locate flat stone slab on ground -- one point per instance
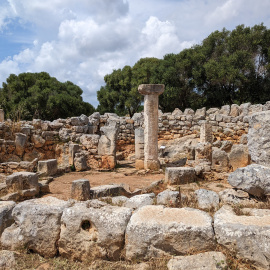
(248, 234)
(204, 261)
(138, 201)
(179, 175)
(155, 230)
(108, 190)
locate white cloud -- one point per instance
(83, 41)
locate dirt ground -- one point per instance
(125, 174)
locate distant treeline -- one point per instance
(38, 95)
(228, 67)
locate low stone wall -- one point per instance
(27, 140)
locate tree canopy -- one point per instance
(38, 95)
(227, 67)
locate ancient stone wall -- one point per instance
(27, 140)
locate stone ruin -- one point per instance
(231, 144)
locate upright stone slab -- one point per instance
(259, 138)
(47, 167)
(151, 93)
(80, 190)
(2, 115)
(73, 149)
(206, 133)
(139, 148)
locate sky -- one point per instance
(83, 40)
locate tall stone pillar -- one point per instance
(151, 93)
(206, 133)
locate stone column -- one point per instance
(2, 115)
(151, 93)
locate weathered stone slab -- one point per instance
(179, 175)
(259, 138)
(239, 156)
(80, 190)
(47, 167)
(207, 199)
(209, 260)
(254, 179)
(138, 201)
(248, 235)
(168, 197)
(93, 232)
(155, 230)
(36, 227)
(108, 190)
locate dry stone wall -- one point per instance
(27, 140)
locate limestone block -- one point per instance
(248, 235)
(239, 156)
(47, 167)
(220, 161)
(201, 112)
(212, 111)
(189, 111)
(179, 175)
(90, 232)
(139, 143)
(108, 190)
(64, 134)
(73, 149)
(139, 201)
(244, 108)
(235, 110)
(80, 190)
(20, 142)
(225, 110)
(37, 140)
(207, 199)
(234, 196)
(108, 162)
(255, 108)
(203, 153)
(5, 214)
(22, 181)
(208, 260)
(253, 179)
(89, 141)
(206, 133)
(107, 142)
(259, 138)
(156, 230)
(36, 227)
(80, 162)
(168, 198)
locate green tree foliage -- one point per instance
(37, 95)
(227, 67)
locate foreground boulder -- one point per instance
(254, 179)
(93, 231)
(247, 234)
(208, 260)
(36, 227)
(155, 230)
(5, 214)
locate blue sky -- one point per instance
(82, 41)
